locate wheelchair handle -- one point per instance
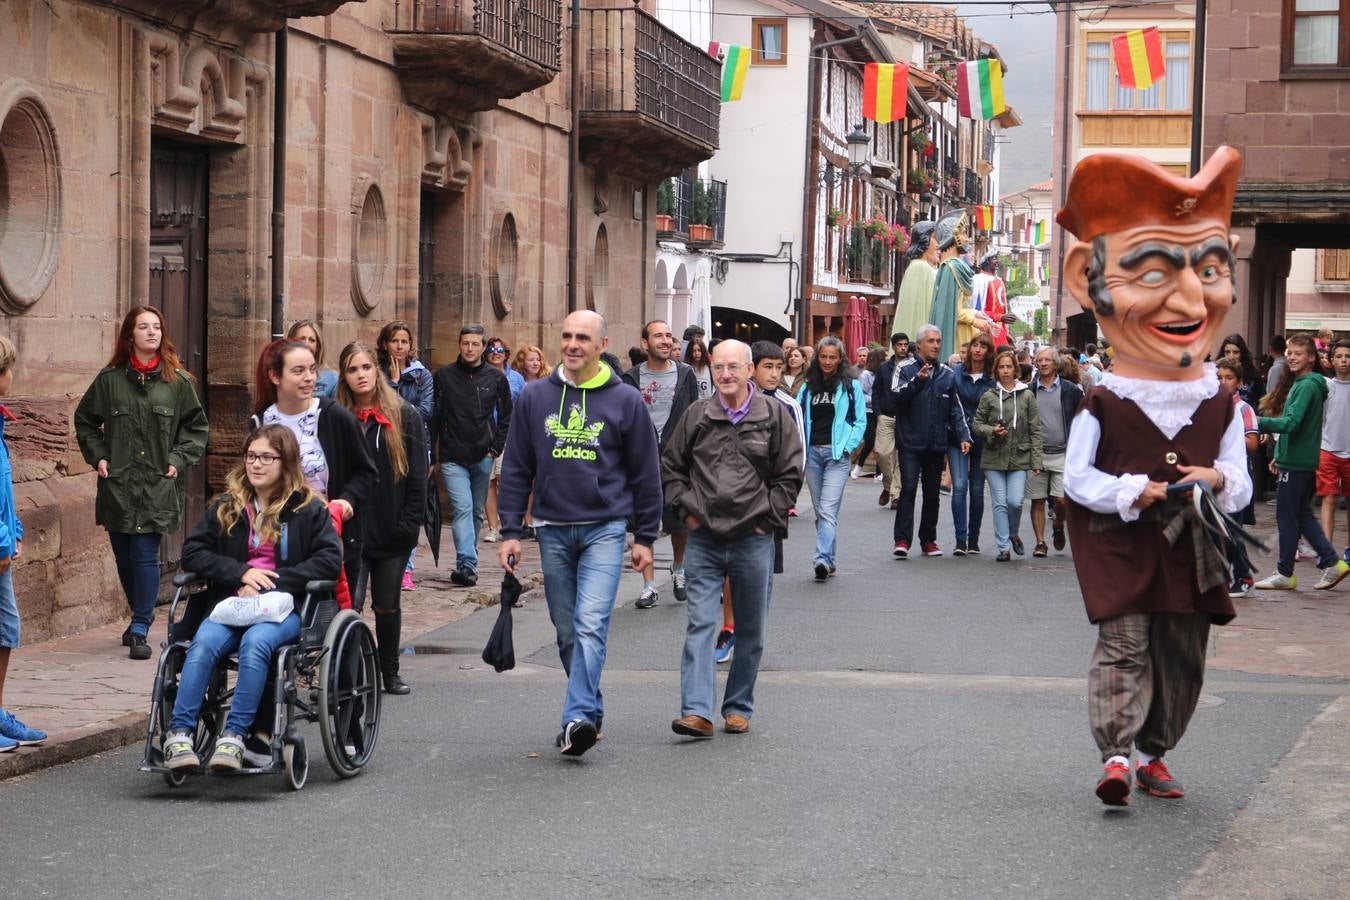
(314, 587)
(183, 579)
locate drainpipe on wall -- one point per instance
(279, 185)
(1198, 88)
(574, 161)
(1062, 186)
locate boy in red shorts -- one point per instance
(1333, 467)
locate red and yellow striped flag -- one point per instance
(884, 89)
(984, 218)
(1139, 58)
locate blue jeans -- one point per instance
(825, 479)
(1007, 489)
(137, 558)
(212, 643)
(1294, 518)
(967, 491)
(918, 466)
(9, 612)
(582, 564)
(467, 487)
(748, 562)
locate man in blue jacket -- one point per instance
(928, 417)
(582, 443)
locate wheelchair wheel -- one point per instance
(296, 758)
(175, 779)
(349, 694)
(215, 704)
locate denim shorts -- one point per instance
(9, 611)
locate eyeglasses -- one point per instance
(719, 368)
(501, 350)
(265, 458)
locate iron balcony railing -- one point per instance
(698, 201)
(973, 192)
(530, 28)
(636, 64)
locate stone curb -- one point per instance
(125, 729)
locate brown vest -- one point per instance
(1130, 567)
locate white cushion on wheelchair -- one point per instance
(241, 612)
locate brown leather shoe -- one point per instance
(692, 726)
(1058, 538)
(1041, 549)
(734, 724)
(895, 504)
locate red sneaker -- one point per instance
(901, 550)
(1159, 782)
(1114, 788)
(930, 548)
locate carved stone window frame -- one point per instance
(370, 246)
(504, 265)
(23, 282)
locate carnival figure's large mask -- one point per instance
(1153, 259)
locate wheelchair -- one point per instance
(331, 675)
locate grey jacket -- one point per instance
(1021, 449)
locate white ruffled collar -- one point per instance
(1169, 404)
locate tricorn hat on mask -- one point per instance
(1111, 192)
(951, 228)
(919, 238)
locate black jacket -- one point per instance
(351, 470)
(309, 549)
(686, 392)
(397, 507)
(930, 417)
(883, 402)
(463, 426)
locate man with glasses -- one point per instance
(731, 469)
(583, 446)
(668, 387)
(473, 413)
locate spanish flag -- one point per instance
(984, 218)
(884, 88)
(1139, 58)
(734, 67)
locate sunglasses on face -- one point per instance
(501, 350)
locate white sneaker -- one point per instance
(1277, 582)
(856, 473)
(229, 754)
(491, 536)
(1305, 553)
(1332, 575)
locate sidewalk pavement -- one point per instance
(89, 696)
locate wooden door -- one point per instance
(426, 275)
(178, 229)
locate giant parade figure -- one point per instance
(1153, 260)
(952, 311)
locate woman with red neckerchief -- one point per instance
(392, 430)
(140, 425)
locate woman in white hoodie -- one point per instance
(1009, 423)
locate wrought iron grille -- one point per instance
(639, 65)
(531, 28)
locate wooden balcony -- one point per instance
(457, 56)
(234, 18)
(651, 101)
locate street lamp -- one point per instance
(859, 141)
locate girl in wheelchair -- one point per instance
(268, 532)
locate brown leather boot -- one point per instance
(692, 726)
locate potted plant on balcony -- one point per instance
(700, 224)
(854, 247)
(833, 217)
(665, 205)
(919, 181)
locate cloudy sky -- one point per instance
(1027, 43)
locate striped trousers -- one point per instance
(1145, 680)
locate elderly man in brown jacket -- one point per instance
(731, 470)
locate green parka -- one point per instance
(1021, 449)
(141, 426)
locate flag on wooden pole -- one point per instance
(884, 89)
(734, 67)
(984, 218)
(1139, 58)
(979, 89)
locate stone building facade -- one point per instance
(1277, 85)
(428, 152)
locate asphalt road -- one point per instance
(921, 732)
